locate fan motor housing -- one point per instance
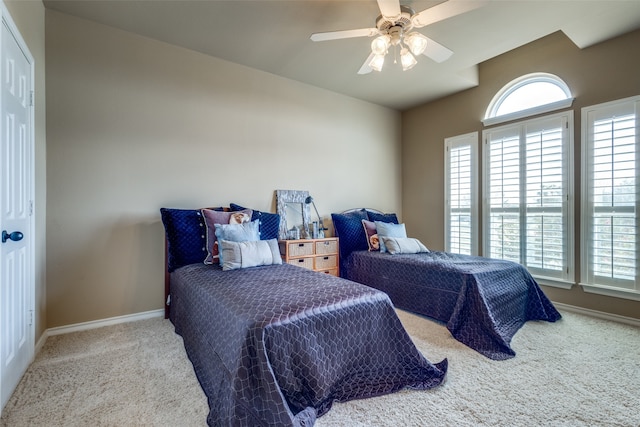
(404, 21)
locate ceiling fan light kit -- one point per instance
(415, 42)
(393, 28)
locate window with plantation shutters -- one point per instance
(610, 246)
(528, 196)
(461, 207)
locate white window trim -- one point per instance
(470, 139)
(601, 289)
(568, 277)
(490, 117)
(547, 108)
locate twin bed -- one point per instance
(276, 344)
(482, 301)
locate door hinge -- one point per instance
(31, 99)
(30, 317)
(30, 207)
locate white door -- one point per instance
(16, 249)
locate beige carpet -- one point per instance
(577, 372)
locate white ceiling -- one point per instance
(273, 36)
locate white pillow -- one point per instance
(236, 255)
(389, 229)
(403, 245)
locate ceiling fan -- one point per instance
(393, 28)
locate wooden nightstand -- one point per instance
(315, 254)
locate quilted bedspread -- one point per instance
(482, 301)
(277, 345)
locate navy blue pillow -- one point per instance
(349, 230)
(186, 237)
(269, 222)
(383, 217)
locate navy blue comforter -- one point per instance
(277, 345)
(482, 301)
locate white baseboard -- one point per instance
(160, 313)
(598, 314)
(84, 326)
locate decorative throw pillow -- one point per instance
(372, 235)
(388, 229)
(348, 228)
(403, 245)
(236, 255)
(186, 237)
(211, 218)
(246, 231)
(383, 217)
(269, 222)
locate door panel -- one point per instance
(16, 287)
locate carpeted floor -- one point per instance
(577, 372)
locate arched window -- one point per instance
(527, 96)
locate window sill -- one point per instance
(612, 292)
(553, 282)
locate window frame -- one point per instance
(471, 140)
(491, 118)
(601, 111)
(565, 279)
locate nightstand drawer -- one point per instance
(331, 271)
(325, 262)
(302, 262)
(300, 248)
(327, 247)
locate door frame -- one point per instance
(7, 20)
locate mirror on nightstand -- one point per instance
(294, 214)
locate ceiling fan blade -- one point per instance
(444, 11)
(436, 51)
(390, 9)
(346, 34)
(365, 69)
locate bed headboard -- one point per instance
(353, 233)
(359, 209)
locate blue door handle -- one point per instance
(15, 236)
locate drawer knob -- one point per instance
(326, 257)
(300, 245)
(300, 260)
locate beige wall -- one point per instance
(601, 73)
(29, 19)
(135, 124)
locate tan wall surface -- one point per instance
(134, 124)
(600, 73)
(29, 19)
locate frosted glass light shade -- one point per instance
(417, 43)
(377, 62)
(379, 45)
(407, 59)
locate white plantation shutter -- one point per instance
(611, 151)
(545, 194)
(461, 208)
(528, 193)
(504, 194)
